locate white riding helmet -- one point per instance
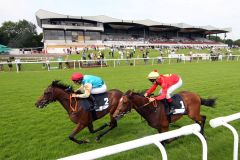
(153, 75)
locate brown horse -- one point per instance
(154, 112)
(61, 93)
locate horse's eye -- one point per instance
(47, 93)
(125, 100)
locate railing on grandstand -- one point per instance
(78, 64)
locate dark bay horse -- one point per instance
(154, 112)
(61, 93)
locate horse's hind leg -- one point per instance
(202, 123)
(76, 131)
(112, 125)
(91, 130)
(200, 119)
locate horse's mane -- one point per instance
(58, 84)
(139, 93)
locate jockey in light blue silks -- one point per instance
(89, 85)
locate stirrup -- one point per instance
(171, 112)
(95, 107)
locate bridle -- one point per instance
(51, 98)
(74, 109)
(128, 109)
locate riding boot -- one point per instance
(171, 107)
(92, 98)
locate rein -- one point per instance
(74, 109)
(154, 104)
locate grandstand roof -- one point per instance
(43, 14)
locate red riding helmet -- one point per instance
(77, 76)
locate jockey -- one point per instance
(168, 82)
(89, 85)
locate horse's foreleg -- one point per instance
(112, 125)
(91, 130)
(76, 131)
(165, 129)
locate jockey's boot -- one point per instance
(171, 107)
(93, 101)
(171, 111)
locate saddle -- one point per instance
(179, 106)
(101, 99)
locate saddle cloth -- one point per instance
(101, 99)
(179, 107)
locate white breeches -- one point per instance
(172, 88)
(99, 90)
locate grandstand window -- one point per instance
(54, 34)
(89, 24)
(92, 35)
(69, 35)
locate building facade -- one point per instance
(63, 31)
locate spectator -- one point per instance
(89, 56)
(112, 52)
(10, 66)
(60, 59)
(84, 55)
(66, 62)
(1, 67)
(159, 59)
(47, 63)
(18, 63)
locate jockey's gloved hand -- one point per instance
(78, 92)
(145, 95)
(148, 95)
(68, 89)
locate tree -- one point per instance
(237, 42)
(229, 42)
(7, 31)
(21, 34)
(215, 38)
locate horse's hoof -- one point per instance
(86, 141)
(97, 139)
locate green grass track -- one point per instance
(27, 132)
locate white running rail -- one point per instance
(223, 121)
(153, 139)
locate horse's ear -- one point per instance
(128, 92)
(55, 82)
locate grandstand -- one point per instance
(62, 32)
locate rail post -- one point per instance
(223, 121)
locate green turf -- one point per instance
(31, 133)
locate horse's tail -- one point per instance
(210, 102)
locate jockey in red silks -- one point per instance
(168, 82)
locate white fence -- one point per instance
(154, 139)
(223, 121)
(157, 138)
(49, 65)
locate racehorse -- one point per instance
(83, 118)
(155, 114)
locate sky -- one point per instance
(218, 13)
